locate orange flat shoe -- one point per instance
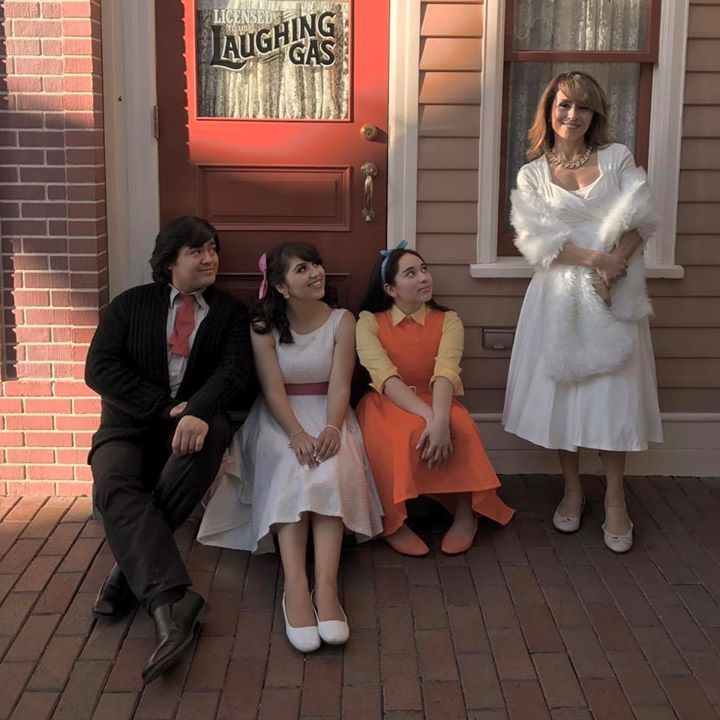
(406, 542)
(453, 544)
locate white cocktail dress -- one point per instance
(617, 410)
(265, 486)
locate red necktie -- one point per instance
(184, 326)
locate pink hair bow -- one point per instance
(262, 266)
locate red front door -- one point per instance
(260, 107)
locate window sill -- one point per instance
(512, 267)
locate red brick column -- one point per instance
(54, 241)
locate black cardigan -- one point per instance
(127, 363)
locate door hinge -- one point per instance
(156, 122)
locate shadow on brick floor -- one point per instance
(528, 624)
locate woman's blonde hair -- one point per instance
(580, 88)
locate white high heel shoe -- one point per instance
(333, 632)
(305, 639)
(568, 523)
(619, 543)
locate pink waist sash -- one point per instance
(307, 388)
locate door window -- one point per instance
(273, 59)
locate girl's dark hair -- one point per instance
(377, 300)
(271, 312)
(188, 230)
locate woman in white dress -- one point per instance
(299, 464)
(582, 372)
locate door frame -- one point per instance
(131, 148)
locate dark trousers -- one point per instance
(144, 493)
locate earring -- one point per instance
(286, 294)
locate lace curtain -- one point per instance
(270, 86)
(580, 24)
(569, 25)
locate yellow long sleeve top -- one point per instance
(375, 359)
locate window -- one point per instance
(634, 48)
(613, 40)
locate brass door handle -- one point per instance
(369, 170)
(369, 132)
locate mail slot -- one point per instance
(498, 338)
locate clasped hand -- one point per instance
(609, 269)
(311, 451)
(190, 432)
(435, 442)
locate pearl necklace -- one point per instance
(570, 164)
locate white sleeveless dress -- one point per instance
(613, 411)
(265, 486)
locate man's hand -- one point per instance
(189, 435)
(179, 409)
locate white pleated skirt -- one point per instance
(264, 486)
(617, 411)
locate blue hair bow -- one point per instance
(386, 256)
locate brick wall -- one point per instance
(54, 243)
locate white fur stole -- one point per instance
(583, 337)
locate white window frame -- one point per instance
(668, 87)
(403, 97)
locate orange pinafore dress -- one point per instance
(390, 433)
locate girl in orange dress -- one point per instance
(419, 439)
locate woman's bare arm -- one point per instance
(628, 245)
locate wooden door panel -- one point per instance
(245, 285)
(265, 181)
(278, 198)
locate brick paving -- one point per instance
(528, 624)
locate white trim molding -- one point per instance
(690, 448)
(491, 102)
(131, 152)
(664, 151)
(404, 67)
(666, 113)
(517, 267)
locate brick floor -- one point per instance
(528, 624)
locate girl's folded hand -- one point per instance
(304, 445)
(435, 443)
(328, 443)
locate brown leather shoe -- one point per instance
(176, 625)
(115, 598)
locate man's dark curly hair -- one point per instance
(188, 230)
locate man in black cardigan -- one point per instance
(168, 359)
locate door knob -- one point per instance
(369, 170)
(369, 132)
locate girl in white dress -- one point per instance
(299, 464)
(582, 372)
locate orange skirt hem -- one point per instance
(485, 504)
(390, 435)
